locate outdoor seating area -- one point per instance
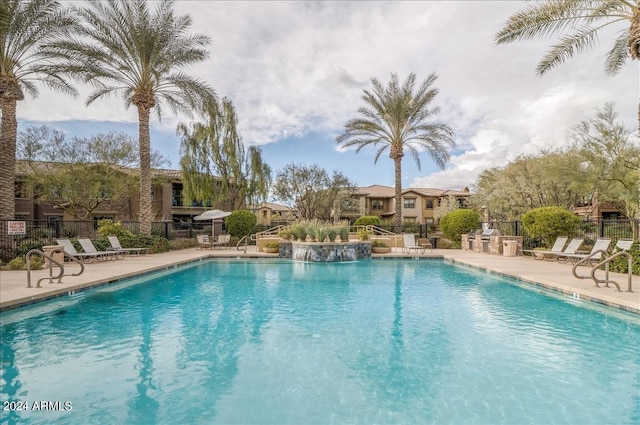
(207, 242)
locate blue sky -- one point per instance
(296, 70)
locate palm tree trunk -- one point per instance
(397, 216)
(8, 158)
(144, 140)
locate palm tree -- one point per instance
(25, 27)
(398, 118)
(578, 23)
(126, 49)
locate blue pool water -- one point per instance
(235, 342)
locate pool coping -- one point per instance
(568, 286)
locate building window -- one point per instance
(429, 204)
(377, 204)
(409, 202)
(21, 190)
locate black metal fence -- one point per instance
(16, 240)
(17, 237)
(590, 230)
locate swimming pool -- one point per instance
(383, 341)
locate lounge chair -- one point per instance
(601, 245)
(85, 257)
(222, 240)
(89, 248)
(116, 246)
(556, 249)
(410, 243)
(204, 242)
(622, 245)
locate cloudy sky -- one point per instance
(296, 71)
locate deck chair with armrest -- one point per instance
(88, 247)
(222, 240)
(85, 257)
(602, 244)
(116, 246)
(204, 242)
(556, 249)
(410, 243)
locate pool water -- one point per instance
(281, 342)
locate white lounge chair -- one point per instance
(622, 245)
(410, 243)
(601, 245)
(89, 248)
(116, 246)
(85, 257)
(222, 240)
(556, 249)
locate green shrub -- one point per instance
(378, 244)
(17, 263)
(363, 234)
(241, 223)
(155, 243)
(621, 264)
(299, 231)
(272, 245)
(367, 220)
(457, 223)
(547, 223)
(184, 243)
(20, 263)
(27, 245)
(107, 227)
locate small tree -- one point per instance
(446, 205)
(458, 222)
(547, 223)
(312, 192)
(80, 175)
(240, 223)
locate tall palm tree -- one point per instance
(578, 22)
(399, 118)
(125, 48)
(25, 27)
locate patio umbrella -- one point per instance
(212, 215)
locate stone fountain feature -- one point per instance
(335, 245)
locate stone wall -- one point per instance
(494, 246)
(326, 251)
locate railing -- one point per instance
(607, 259)
(51, 261)
(244, 239)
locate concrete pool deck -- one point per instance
(548, 274)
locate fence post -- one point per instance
(58, 228)
(600, 228)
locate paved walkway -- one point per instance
(549, 274)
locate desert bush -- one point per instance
(547, 223)
(107, 227)
(185, 243)
(27, 245)
(457, 223)
(621, 264)
(17, 263)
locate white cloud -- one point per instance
(295, 68)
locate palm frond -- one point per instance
(617, 56)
